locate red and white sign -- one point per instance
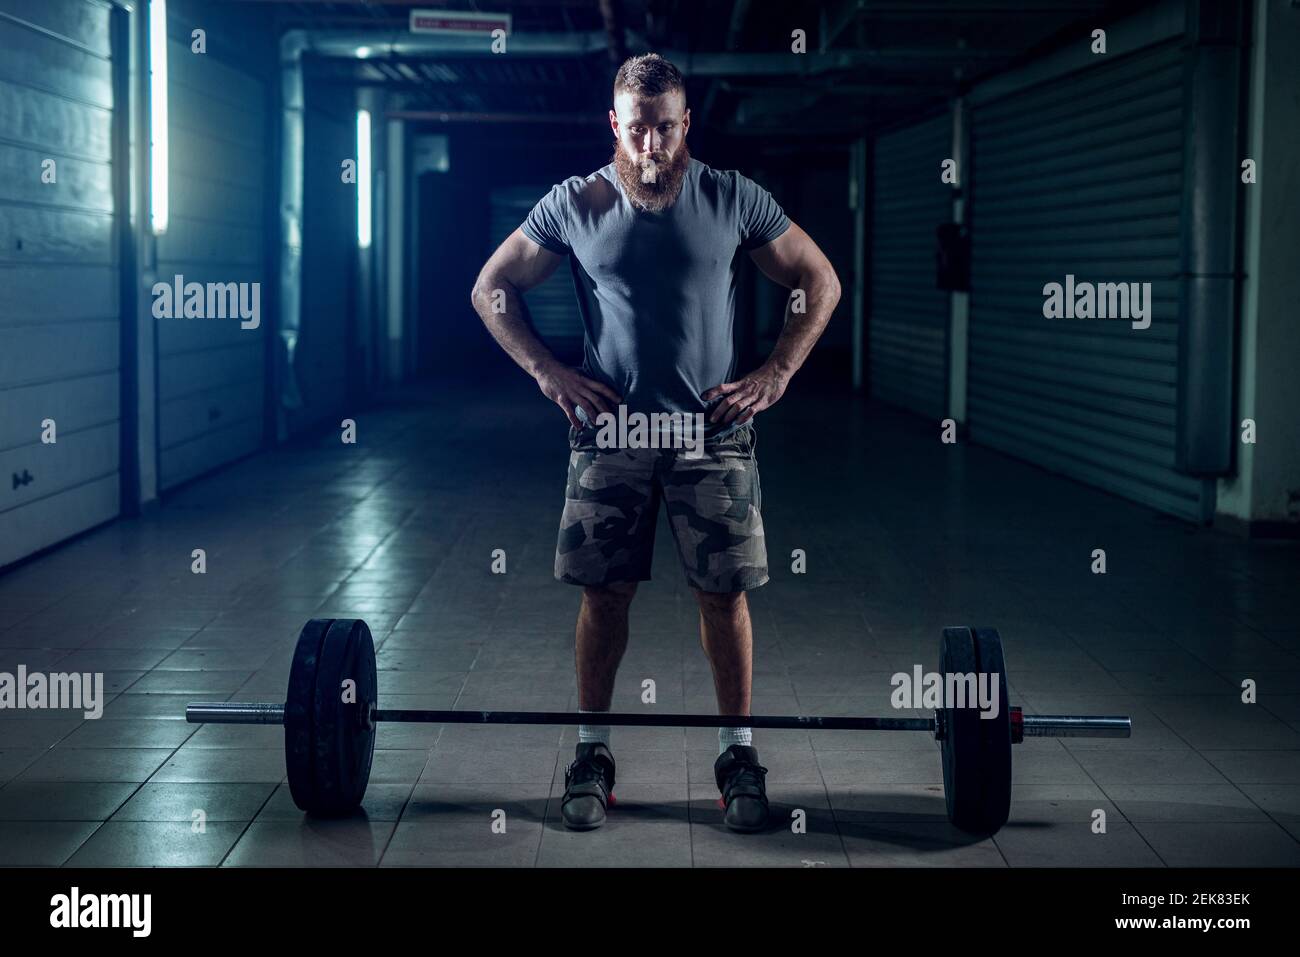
(464, 23)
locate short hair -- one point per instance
(649, 75)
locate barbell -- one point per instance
(331, 713)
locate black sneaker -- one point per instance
(588, 787)
(740, 779)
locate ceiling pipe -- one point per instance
(344, 43)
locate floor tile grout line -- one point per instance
(830, 806)
(141, 785)
(248, 825)
(1102, 788)
(406, 803)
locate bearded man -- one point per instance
(653, 237)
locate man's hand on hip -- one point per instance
(747, 396)
(568, 387)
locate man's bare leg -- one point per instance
(728, 639)
(599, 646)
(601, 641)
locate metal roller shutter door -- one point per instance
(211, 372)
(907, 333)
(553, 305)
(1082, 176)
(60, 322)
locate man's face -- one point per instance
(651, 155)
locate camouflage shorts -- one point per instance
(611, 507)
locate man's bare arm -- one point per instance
(518, 265)
(793, 260)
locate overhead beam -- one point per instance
(462, 116)
(611, 14)
(344, 43)
(837, 20)
(868, 88)
(735, 29)
(658, 14)
(812, 64)
(415, 3)
(977, 8)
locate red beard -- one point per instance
(657, 196)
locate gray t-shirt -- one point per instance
(656, 291)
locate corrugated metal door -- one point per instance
(1082, 176)
(60, 323)
(553, 305)
(211, 372)
(907, 330)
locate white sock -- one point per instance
(729, 736)
(593, 733)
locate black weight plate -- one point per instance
(976, 750)
(345, 745)
(995, 742)
(299, 712)
(956, 654)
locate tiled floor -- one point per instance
(903, 535)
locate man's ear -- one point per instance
(613, 122)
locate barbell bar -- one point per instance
(1034, 725)
(331, 713)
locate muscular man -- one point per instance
(653, 236)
